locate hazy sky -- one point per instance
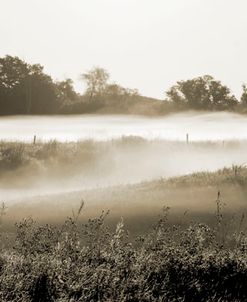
(144, 44)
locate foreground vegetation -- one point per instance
(89, 262)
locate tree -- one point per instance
(114, 90)
(66, 92)
(13, 84)
(244, 95)
(202, 93)
(117, 90)
(25, 88)
(96, 80)
(43, 91)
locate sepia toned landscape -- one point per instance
(123, 139)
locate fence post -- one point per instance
(187, 138)
(34, 139)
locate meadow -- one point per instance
(176, 259)
(162, 238)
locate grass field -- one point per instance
(54, 166)
(166, 239)
(174, 259)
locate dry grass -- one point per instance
(88, 262)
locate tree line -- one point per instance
(27, 89)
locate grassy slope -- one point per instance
(84, 260)
(89, 262)
(195, 193)
(139, 204)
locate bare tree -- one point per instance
(96, 80)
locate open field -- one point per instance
(53, 167)
(201, 126)
(193, 251)
(166, 233)
(130, 176)
(140, 203)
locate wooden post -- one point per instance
(34, 139)
(187, 138)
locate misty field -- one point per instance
(28, 169)
(187, 239)
(126, 219)
(174, 257)
(123, 139)
(200, 125)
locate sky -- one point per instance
(144, 44)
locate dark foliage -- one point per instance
(202, 93)
(26, 89)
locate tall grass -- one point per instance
(88, 262)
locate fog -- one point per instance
(93, 155)
(199, 126)
(118, 162)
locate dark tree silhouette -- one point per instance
(244, 95)
(202, 93)
(25, 88)
(66, 92)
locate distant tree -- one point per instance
(96, 80)
(132, 92)
(114, 90)
(43, 91)
(202, 93)
(25, 88)
(66, 92)
(243, 99)
(13, 85)
(117, 90)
